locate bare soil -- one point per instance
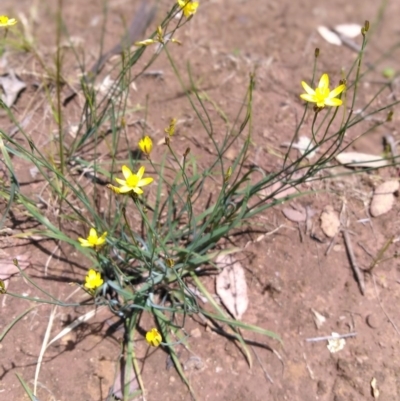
(288, 272)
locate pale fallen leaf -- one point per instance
(34, 171)
(303, 145)
(8, 268)
(231, 285)
(329, 36)
(107, 86)
(356, 159)
(383, 198)
(81, 319)
(349, 30)
(319, 319)
(330, 222)
(281, 189)
(298, 213)
(297, 216)
(374, 387)
(119, 382)
(12, 86)
(336, 345)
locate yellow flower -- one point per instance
(93, 280)
(153, 337)
(188, 7)
(146, 145)
(170, 130)
(322, 95)
(146, 42)
(132, 182)
(5, 21)
(93, 240)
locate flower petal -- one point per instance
(333, 102)
(145, 181)
(137, 190)
(140, 173)
(120, 182)
(83, 242)
(337, 91)
(308, 98)
(308, 89)
(92, 233)
(124, 189)
(86, 244)
(126, 171)
(114, 189)
(324, 81)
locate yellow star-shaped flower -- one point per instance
(93, 240)
(5, 21)
(132, 183)
(146, 145)
(93, 280)
(188, 7)
(153, 337)
(322, 96)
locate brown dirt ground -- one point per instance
(287, 274)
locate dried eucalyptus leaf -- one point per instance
(119, 383)
(383, 198)
(319, 319)
(8, 269)
(356, 159)
(329, 36)
(297, 216)
(231, 285)
(12, 86)
(349, 30)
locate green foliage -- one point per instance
(152, 266)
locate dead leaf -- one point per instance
(8, 268)
(296, 215)
(383, 198)
(329, 36)
(330, 222)
(319, 319)
(285, 190)
(356, 159)
(119, 382)
(12, 86)
(231, 285)
(349, 30)
(303, 145)
(374, 387)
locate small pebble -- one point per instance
(372, 321)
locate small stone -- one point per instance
(330, 222)
(195, 333)
(218, 369)
(172, 379)
(383, 198)
(372, 321)
(338, 248)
